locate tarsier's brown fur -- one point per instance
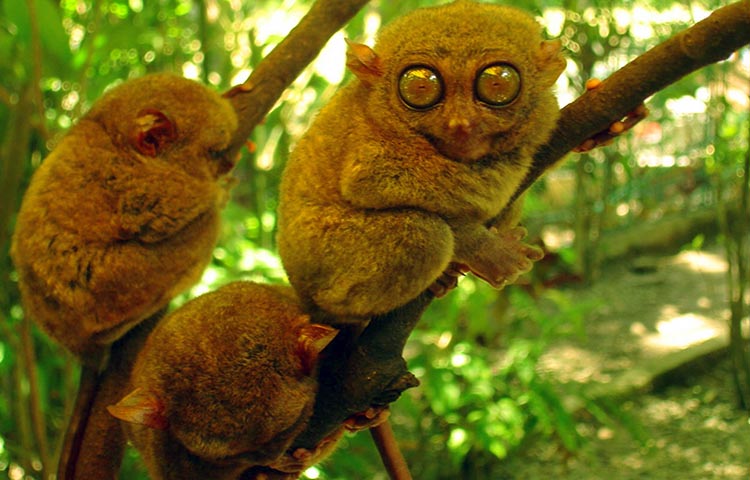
(378, 199)
(122, 216)
(224, 383)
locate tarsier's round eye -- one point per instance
(498, 85)
(420, 87)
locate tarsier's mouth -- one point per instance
(470, 149)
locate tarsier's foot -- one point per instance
(448, 279)
(372, 417)
(302, 458)
(507, 259)
(616, 129)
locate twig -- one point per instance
(5, 97)
(92, 32)
(35, 401)
(391, 455)
(36, 48)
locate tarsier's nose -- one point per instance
(460, 126)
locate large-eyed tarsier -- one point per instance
(225, 383)
(124, 213)
(401, 173)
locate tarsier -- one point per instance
(124, 213)
(224, 383)
(400, 174)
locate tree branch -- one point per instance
(708, 41)
(254, 99)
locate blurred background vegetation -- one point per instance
(476, 351)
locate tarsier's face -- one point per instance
(473, 79)
(461, 107)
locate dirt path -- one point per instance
(652, 315)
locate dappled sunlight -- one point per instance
(682, 331)
(706, 262)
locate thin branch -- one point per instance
(255, 98)
(36, 50)
(35, 401)
(391, 455)
(92, 33)
(5, 97)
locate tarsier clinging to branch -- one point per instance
(225, 383)
(124, 213)
(401, 172)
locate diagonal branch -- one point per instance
(254, 99)
(708, 41)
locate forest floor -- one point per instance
(654, 344)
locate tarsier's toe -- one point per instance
(513, 259)
(448, 280)
(371, 417)
(617, 128)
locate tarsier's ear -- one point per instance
(363, 62)
(313, 338)
(550, 61)
(142, 408)
(153, 132)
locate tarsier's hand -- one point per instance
(616, 129)
(506, 258)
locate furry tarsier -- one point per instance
(124, 212)
(224, 383)
(403, 170)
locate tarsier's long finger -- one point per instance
(617, 128)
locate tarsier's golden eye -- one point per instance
(498, 85)
(420, 87)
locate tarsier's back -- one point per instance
(123, 214)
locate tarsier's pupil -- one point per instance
(420, 87)
(498, 85)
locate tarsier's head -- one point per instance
(170, 118)
(473, 79)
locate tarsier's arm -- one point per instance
(374, 179)
(157, 204)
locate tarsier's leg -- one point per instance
(617, 128)
(365, 262)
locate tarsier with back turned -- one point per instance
(402, 172)
(124, 213)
